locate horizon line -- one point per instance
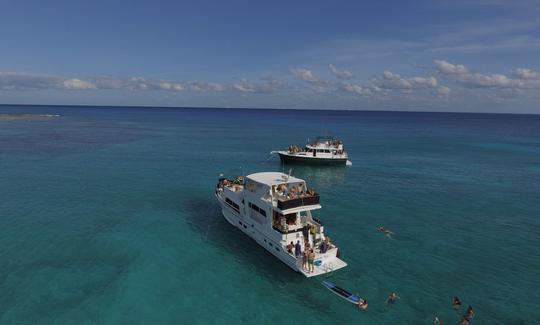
(269, 109)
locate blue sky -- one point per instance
(445, 55)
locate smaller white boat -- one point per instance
(325, 150)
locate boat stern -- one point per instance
(329, 265)
(325, 263)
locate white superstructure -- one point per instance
(275, 209)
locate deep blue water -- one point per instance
(107, 215)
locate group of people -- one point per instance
(294, 192)
(392, 298)
(465, 319)
(294, 149)
(308, 254)
(469, 312)
(236, 183)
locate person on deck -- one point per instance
(323, 247)
(305, 261)
(290, 248)
(297, 249)
(311, 259)
(327, 242)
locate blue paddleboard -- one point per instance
(341, 292)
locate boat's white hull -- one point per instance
(329, 261)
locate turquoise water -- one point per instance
(107, 215)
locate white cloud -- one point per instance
(266, 85)
(205, 86)
(78, 84)
(304, 74)
(524, 73)
(357, 89)
(443, 91)
(165, 86)
(391, 80)
(171, 86)
(244, 86)
(343, 74)
(27, 81)
(446, 67)
(527, 78)
(137, 79)
(178, 87)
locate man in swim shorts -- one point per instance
(311, 258)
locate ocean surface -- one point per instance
(107, 215)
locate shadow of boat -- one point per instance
(204, 216)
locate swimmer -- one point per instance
(437, 321)
(463, 321)
(469, 313)
(386, 232)
(392, 297)
(362, 304)
(456, 303)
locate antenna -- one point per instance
(290, 171)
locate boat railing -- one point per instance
(285, 204)
(286, 230)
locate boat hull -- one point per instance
(310, 160)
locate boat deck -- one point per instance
(331, 264)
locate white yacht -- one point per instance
(275, 209)
(323, 151)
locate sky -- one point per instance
(431, 55)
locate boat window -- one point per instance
(256, 208)
(231, 203)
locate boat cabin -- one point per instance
(277, 202)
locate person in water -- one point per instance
(392, 297)
(456, 303)
(466, 318)
(362, 304)
(469, 313)
(386, 232)
(437, 321)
